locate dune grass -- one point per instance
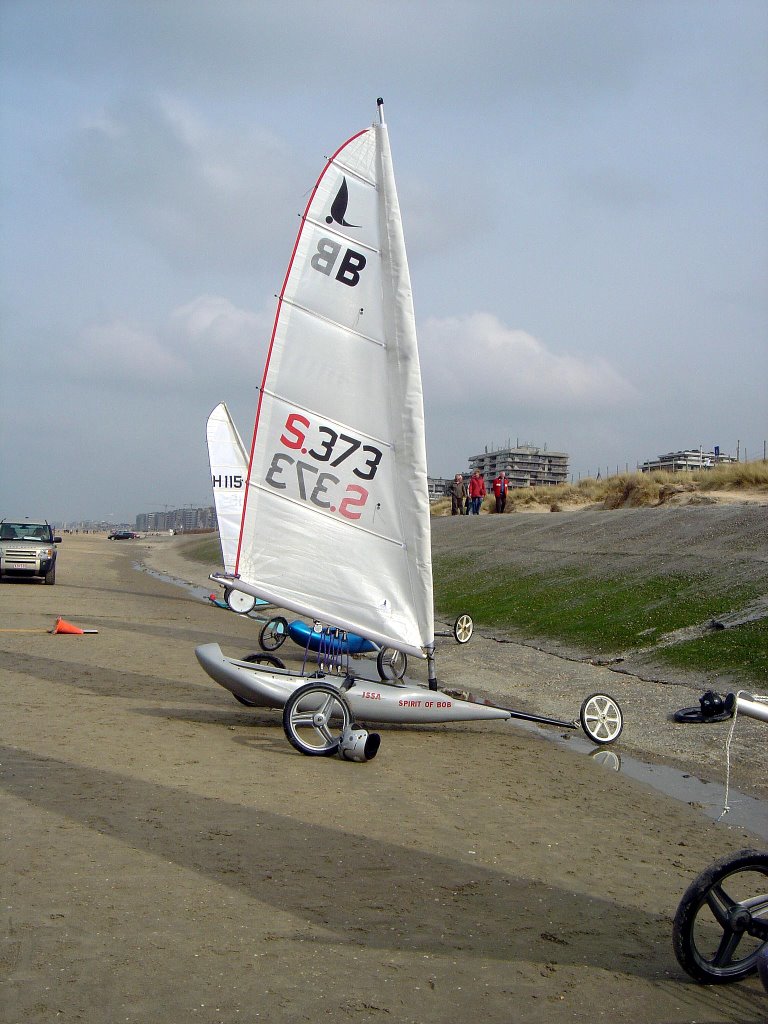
(630, 489)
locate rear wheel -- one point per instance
(314, 719)
(463, 628)
(242, 700)
(720, 931)
(264, 659)
(391, 664)
(273, 633)
(601, 718)
(258, 659)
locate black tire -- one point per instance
(463, 628)
(242, 700)
(273, 633)
(720, 929)
(315, 707)
(762, 967)
(258, 659)
(50, 576)
(601, 718)
(689, 716)
(264, 659)
(391, 663)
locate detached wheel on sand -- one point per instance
(314, 719)
(720, 931)
(463, 628)
(601, 718)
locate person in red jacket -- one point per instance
(476, 491)
(500, 488)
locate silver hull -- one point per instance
(265, 686)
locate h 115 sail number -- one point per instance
(333, 448)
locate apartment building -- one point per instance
(683, 461)
(526, 465)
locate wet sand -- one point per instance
(168, 856)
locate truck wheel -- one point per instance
(50, 576)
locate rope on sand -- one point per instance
(753, 696)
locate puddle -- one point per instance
(191, 588)
(707, 797)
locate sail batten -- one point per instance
(334, 323)
(313, 412)
(347, 169)
(336, 520)
(352, 526)
(329, 229)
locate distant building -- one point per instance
(181, 520)
(526, 465)
(685, 461)
(438, 487)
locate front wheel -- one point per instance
(315, 718)
(720, 931)
(239, 602)
(273, 633)
(463, 628)
(50, 576)
(601, 718)
(391, 664)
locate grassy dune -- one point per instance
(631, 489)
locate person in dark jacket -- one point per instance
(458, 493)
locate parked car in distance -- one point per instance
(28, 548)
(123, 535)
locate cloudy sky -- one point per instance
(584, 187)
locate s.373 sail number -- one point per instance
(332, 448)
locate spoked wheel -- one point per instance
(463, 628)
(273, 633)
(601, 718)
(315, 717)
(258, 659)
(391, 663)
(720, 932)
(239, 602)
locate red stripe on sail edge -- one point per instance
(328, 163)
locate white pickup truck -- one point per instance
(28, 548)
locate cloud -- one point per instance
(478, 358)
(202, 194)
(208, 341)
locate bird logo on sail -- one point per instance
(339, 207)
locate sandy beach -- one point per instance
(168, 856)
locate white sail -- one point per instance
(336, 523)
(229, 469)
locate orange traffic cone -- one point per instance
(62, 626)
